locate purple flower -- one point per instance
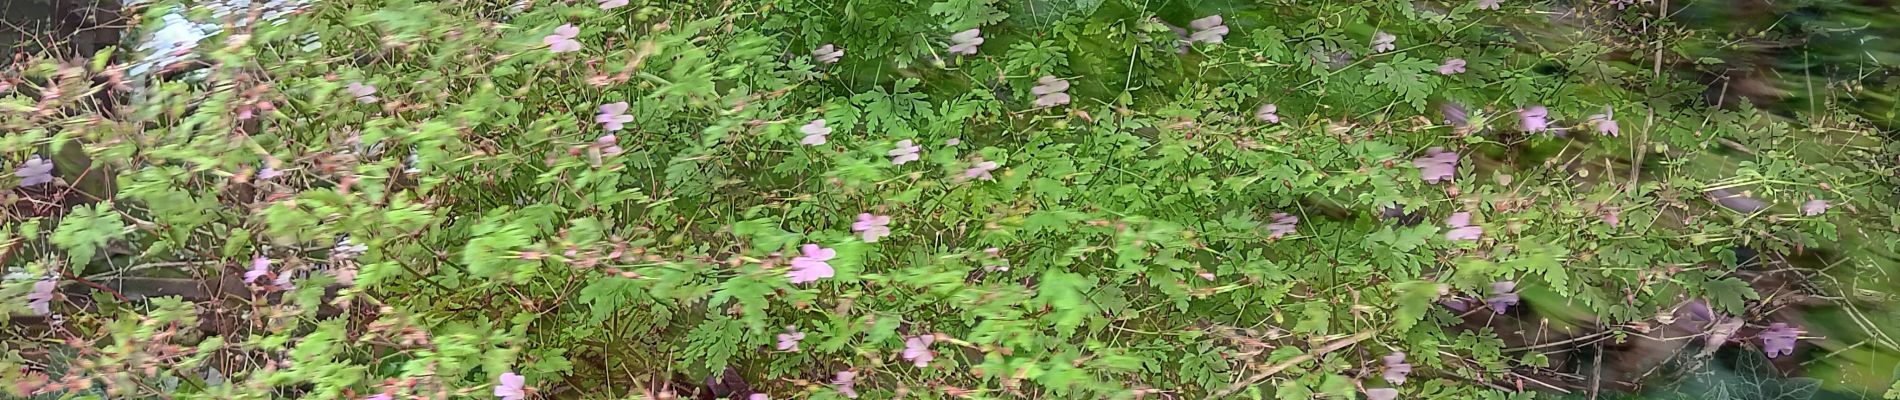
(1268, 113)
(1382, 42)
(1698, 309)
(34, 171)
(380, 396)
(510, 387)
(1452, 67)
(1396, 369)
(905, 152)
(1455, 115)
(1459, 305)
(965, 42)
(1382, 394)
(827, 54)
(1208, 30)
(812, 265)
(613, 116)
(1051, 91)
(40, 299)
(562, 40)
(980, 170)
(788, 341)
(952, 141)
(815, 132)
(1621, 4)
(1738, 201)
(872, 226)
(1779, 339)
(1437, 165)
(1461, 227)
(847, 382)
(758, 396)
(917, 350)
(1814, 207)
(1606, 122)
(260, 266)
(1613, 216)
(1282, 224)
(612, 4)
(609, 144)
(1503, 296)
(268, 173)
(1534, 119)
(364, 93)
(1489, 4)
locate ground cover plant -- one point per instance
(393, 199)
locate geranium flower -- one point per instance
(1778, 340)
(1268, 113)
(34, 171)
(511, 387)
(380, 396)
(872, 226)
(562, 40)
(40, 299)
(1051, 91)
(758, 396)
(1396, 368)
(980, 170)
(260, 266)
(1534, 119)
(1698, 310)
(1208, 30)
(812, 265)
(1489, 4)
(1382, 42)
(965, 42)
(268, 173)
(1382, 394)
(364, 93)
(1461, 227)
(345, 249)
(1737, 200)
(827, 54)
(847, 382)
(612, 4)
(1459, 305)
(917, 350)
(1606, 122)
(1503, 296)
(1452, 67)
(1282, 224)
(1613, 216)
(613, 116)
(1437, 165)
(815, 132)
(1814, 207)
(952, 141)
(788, 341)
(905, 152)
(609, 144)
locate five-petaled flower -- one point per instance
(1383, 42)
(788, 341)
(905, 152)
(815, 132)
(612, 4)
(917, 350)
(872, 226)
(1461, 227)
(1208, 30)
(1814, 207)
(812, 265)
(260, 267)
(1452, 66)
(34, 171)
(511, 387)
(562, 40)
(847, 382)
(1606, 122)
(980, 170)
(1503, 296)
(1534, 118)
(1489, 4)
(827, 54)
(613, 116)
(1437, 165)
(1281, 225)
(1051, 91)
(364, 93)
(1382, 394)
(1396, 368)
(965, 42)
(609, 144)
(1778, 340)
(40, 299)
(1268, 113)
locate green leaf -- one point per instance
(1730, 295)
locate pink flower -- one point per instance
(952, 141)
(613, 116)
(980, 170)
(364, 93)
(562, 40)
(905, 152)
(872, 226)
(1613, 216)
(788, 341)
(965, 42)
(260, 266)
(40, 299)
(1396, 368)
(1461, 227)
(1534, 119)
(380, 396)
(612, 4)
(1382, 394)
(609, 144)
(758, 396)
(1503, 296)
(1382, 42)
(1814, 207)
(847, 382)
(917, 350)
(815, 132)
(1437, 165)
(1606, 122)
(1452, 66)
(1051, 91)
(1779, 339)
(1268, 113)
(1282, 224)
(812, 265)
(34, 171)
(1208, 30)
(827, 54)
(510, 387)
(268, 173)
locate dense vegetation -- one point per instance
(960, 199)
